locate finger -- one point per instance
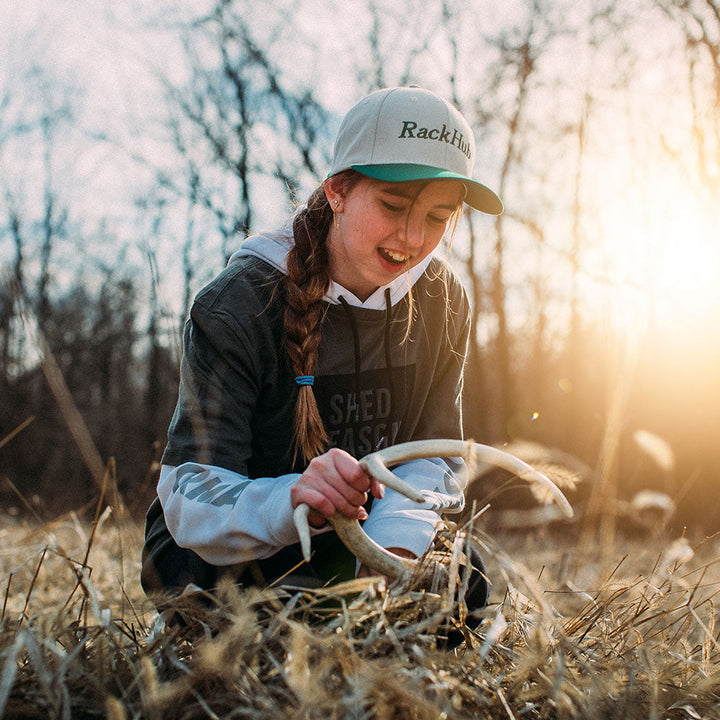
(327, 500)
(350, 470)
(314, 499)
(315, 519)
(352, 508)
(324, 489)
(353, 491)
(350, 495)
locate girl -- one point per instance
(334, 336)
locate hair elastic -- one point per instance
(305, 379)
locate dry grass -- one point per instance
(80, 640)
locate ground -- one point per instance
(570, 632)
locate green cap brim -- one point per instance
(478, 195)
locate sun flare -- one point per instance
(659, 250)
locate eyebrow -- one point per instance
(397, 191)
(407, 195)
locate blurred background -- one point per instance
(140, 142)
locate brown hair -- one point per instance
(305, 285)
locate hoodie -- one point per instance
(227, 470)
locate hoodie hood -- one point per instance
(273, 248)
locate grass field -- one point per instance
(563, 636)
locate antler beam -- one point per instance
(376, 465)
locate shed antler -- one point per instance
(376, 465)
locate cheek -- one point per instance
(433, 236)
(374, 228)
(364, 225)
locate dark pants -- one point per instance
(167, 568)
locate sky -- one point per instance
(657, 232)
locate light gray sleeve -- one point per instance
(202, 512)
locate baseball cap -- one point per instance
(404, 134)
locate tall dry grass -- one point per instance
(559, 639)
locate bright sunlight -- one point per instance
(658, 252)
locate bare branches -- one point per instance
(241, 112)
(699, 21)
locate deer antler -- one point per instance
(376, 465)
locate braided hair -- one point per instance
(305, 285)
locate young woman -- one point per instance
(334, 336)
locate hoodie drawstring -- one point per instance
(356, 342)
(388, 354)
(387, 349)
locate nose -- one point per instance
(413, 231)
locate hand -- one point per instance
(334, 482)
(365, 571)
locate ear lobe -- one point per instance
(335, 192)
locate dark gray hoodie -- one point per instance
(227, 469)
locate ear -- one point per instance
(335, 189)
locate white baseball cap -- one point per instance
(403, 134)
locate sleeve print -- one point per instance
(449, 498)
(225, 517)
(200, 483)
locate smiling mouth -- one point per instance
(394, 258)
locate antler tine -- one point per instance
(376, 463)
(356, 540)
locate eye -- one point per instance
(437, 220)
(392, 207)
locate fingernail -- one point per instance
(363, 514)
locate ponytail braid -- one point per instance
(305, 285)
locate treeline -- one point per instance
(110, 222)
(122, 378)
(122, 382)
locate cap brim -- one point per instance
(478, 195)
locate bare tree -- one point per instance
(518, 57)
(699, 21)
(32, 212)
(11, 284)
(54, 217)
(239, 122)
